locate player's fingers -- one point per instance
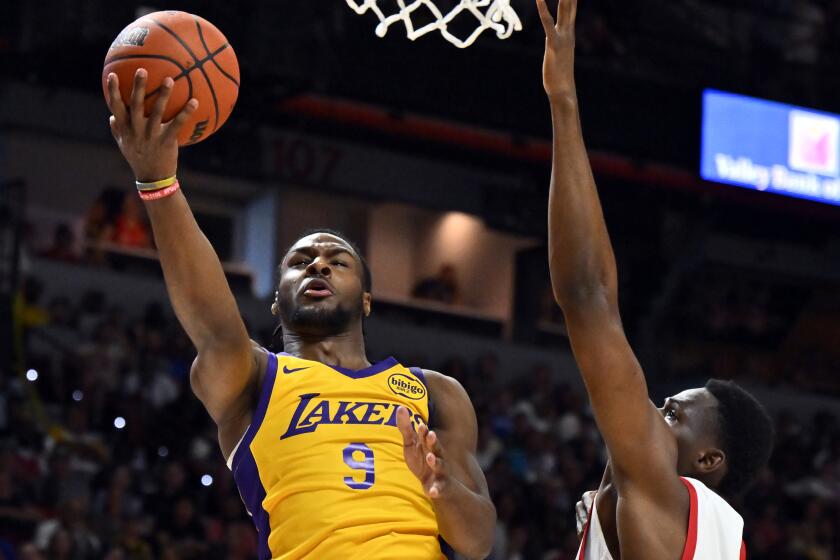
(434, 462)
(175, 126)
(432, 443)
(112, 122)
(572, 11)
(563, 12)
(587, 499)
(581, 515)
(138, 97)
(545, 17)
(404, 425)
(422, 431)
(559, 19)
(164, 93)
(436, 488)
(115, 100)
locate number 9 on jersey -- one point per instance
(351, 452)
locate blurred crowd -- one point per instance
(794, 31)
(767, 33)
(779, 47)
(764, 328)
(105, 453)
(114, 221)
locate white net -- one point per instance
(495, 15)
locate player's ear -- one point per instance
(275, 306)
(711, 460)
(367, 301)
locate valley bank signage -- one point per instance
(769, 146)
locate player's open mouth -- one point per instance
(317, 289)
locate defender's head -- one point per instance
(724, 435)
(324, 285)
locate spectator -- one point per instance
(442, 288)
(98, 227)
(63, 246)
(31, 313)
(68, 535)
(130, 226)
(91, 311)
(186, 529)
(30, 552)
(807, 29)
(60, 545)
(18, 515)
(132, 543)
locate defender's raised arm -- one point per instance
(582, 265)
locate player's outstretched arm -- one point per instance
(444, 460)
(194, 277)
(584, 278)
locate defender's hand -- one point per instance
(424, 455)
(559, 61)
(582, 509)
(149, 146)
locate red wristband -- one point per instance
(162, 193)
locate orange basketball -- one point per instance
(192, 52)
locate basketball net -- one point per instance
(496, 15)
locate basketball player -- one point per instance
(662, 496)
(333, 455)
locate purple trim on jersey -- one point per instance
(445, 549)
(418, 373)
(262, 406)
(373, 369)
(245, 471)
(251, 490)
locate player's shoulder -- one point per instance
(443, 386)
(454, 411)
(712, 505)
(719, 527)
(449, 396)
(259, 352)
(704, 492)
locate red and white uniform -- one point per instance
(714, 529)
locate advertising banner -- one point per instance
(772, 147)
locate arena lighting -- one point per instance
(78, 395)
(771, 147)
(163, 451)
(455, 224)
(206, 480)
(32, 375)
(457, 230)
(119, 422)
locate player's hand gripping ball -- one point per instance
(190, 50)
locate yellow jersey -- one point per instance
(321, 468)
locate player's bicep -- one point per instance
(457, 427)
(225, 378)
(616, 385)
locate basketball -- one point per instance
(190, 50)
